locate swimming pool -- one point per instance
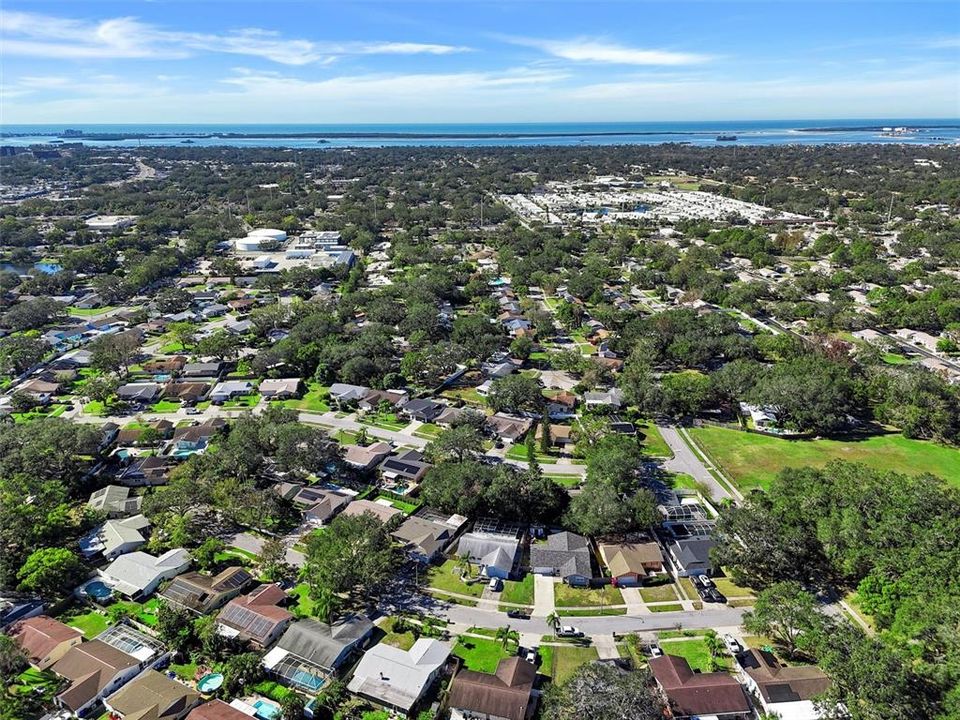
(267, 710)
(97, 590)
(210, 682)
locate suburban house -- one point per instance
(506, 694)
(115, 501)
(630, 563)
(372, 401)
(44, 640)
(257, 616)
(165, 365)
(699, 695)
(787, 691)
(422, 410)
(39, 389)
(691, 556)
(14, 608)
(565, 555)
(495, 555)
(153, 696)
(397, 679)
(186, 392)
(115, 537)
(508, 427)
(219, 710)
(343, 394)
(139, 392)
(320, 504)
(280, 389)
(561, 436)
(94, 670)
(152, 470)
(202, 370)
(612, 399)
(137, 575)
(195, 437)
(311, 650)
(383, 511)
(425, 538)
(366, 457)
(230, 389)
(205, 593)
(404, 471)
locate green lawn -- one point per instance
(90, 623)
(896, 359)
(567, 481)
(447, 577)
(304, 604)
(386, 421)
(567, 596)
(546, 660)
(45, 412)
(652, 441)
(407, 507)
(518, 451)
(272, 690)
(402, 640)
(314, 400)
(468, 395)
(32, 680)
(89, 312)
(567, 659)
(729, 588)
(165, 406)
(185, 671)
(753, 460)
(518, 591)
(245, 401)
(481, 655)
(345, 437)
(695, 652)
(659, 593)
(672, 607)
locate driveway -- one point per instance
(254, 544)
(543, 596)
(684, 461)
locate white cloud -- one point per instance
(598, 50)
(944, 43)
(44, 36)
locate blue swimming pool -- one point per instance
(97, 590)
(267, 710)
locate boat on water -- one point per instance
(323, 141)
(188, 141)
(726, 138)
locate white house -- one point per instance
(397, 678)
(137, 575)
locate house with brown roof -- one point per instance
(205, 593)
(366, 457)
(186, 392)
(256, 617)
(699, 695)
(95, 670)
(153, 696)
(784, 691)
(503, 695)
(44, 640)
(509, 427)
(561, 436)
(219, 710)
(381, 511)
(165, 365)
(630, 563)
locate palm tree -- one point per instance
(464, 564)
(506, 637)
(717, 647)
(553, 619)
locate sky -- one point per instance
(462, 61)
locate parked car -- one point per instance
(733, 645)
(495, 584)
(712, 595)
(705, 581)
(531, 656)
(655, 650)
(568, 631)
(191, 411)
(518, 614)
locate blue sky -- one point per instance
(461, 61)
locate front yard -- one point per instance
(567, 659)
(658, 593)
(481, 655)
(447, 577)
(571, 597)
(518, 591)
(696, 652)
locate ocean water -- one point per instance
(804, 132)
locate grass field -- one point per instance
(652, 441)
(304, 604)
(520, 592)
(314, 400)
(671, 607)
(753, 460)
(90, 623)
(567, 596)
(660, 593)
(695, 652)
(566, 660)
(447, 577)
(89, 312)
(729, 588)
(165, 406)
(481, 655)
(45, 412)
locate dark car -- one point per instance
(518, 614)
(712, 595)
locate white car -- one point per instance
(733, 645)
(495, 584)
(705, 581)
(569, 631)
(655, 650)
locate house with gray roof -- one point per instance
(565, 555)
(396, 678)
(115, 537)
(310, 650)
(344, 394)
(495, 554)
(115, 501)
(230, 389)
